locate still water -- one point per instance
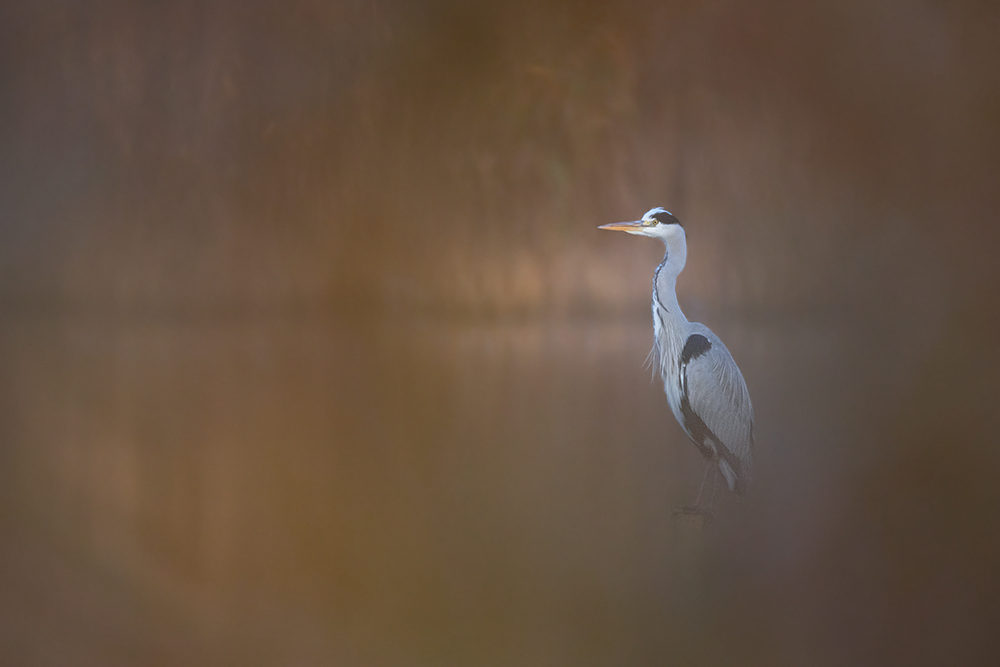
(273, 489)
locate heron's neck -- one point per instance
(665, 279)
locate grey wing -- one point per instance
(714, 389)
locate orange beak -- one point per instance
(623, 226)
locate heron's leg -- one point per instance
(708, 467)
(715, 487)
(695, 510)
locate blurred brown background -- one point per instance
(311, 353)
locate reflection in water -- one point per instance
(448, 488)
(263, 490)
(481, 482)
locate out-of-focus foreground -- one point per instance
(311, 353)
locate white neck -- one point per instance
(665, 280)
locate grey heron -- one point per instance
(704, 387)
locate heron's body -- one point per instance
(704, 387)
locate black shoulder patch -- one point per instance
(695, 346)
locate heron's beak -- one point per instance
(635, 227)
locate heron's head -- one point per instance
(657, 222)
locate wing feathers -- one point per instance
(715, 399)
